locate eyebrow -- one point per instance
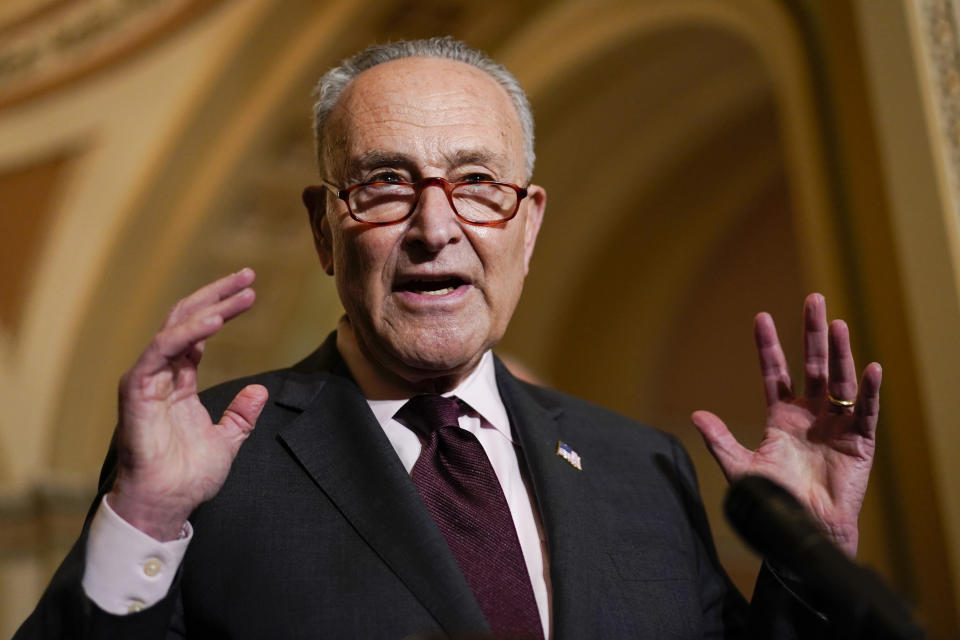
(353, 168)
(379, 158)
(471, 156)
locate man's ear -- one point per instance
(536, 203)
(315, 200)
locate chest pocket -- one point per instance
(652, 592)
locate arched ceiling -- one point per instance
(46, 44)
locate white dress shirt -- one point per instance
(488, 421)
(127, 570)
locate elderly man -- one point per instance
(400, 480)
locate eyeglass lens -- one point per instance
(475, 202)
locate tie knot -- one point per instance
(426, 413)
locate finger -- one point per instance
(195, 353)
(842, 383)
(868, 402)
(174, 342)
(241, 415)
(186, 338)
(209, 294)
(815, 347)
(230, 307)
(732, 457)
(773, 364)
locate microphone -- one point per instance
(774, 523)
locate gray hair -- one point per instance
(334, 81)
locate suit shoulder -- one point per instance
(308, 373)
(599, 419)
(218, 397)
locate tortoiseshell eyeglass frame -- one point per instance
(418, 187)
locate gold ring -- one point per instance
(840, 403)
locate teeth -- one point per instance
(437, 292)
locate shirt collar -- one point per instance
(479, 390)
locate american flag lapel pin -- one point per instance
(568, 454)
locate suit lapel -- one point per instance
(563, 500)
(341, 446)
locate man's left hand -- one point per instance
(813, 444)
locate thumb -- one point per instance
(729, 454)
(241, 416)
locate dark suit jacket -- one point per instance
(319, 532)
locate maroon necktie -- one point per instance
(461, 490)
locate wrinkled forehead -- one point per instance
(431, 109)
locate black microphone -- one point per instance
(772, 521)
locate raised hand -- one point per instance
(820, 444)
(171, 457)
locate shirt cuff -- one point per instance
(126, 569)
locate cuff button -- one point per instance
(152, 567)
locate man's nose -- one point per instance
(434, 224)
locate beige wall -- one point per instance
(705, 159)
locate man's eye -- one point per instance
(386, 176)
(477, 177)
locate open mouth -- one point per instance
(438, 287)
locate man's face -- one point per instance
(427, 296)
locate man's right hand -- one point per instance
(171, 457)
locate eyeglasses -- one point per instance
(483, 203)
